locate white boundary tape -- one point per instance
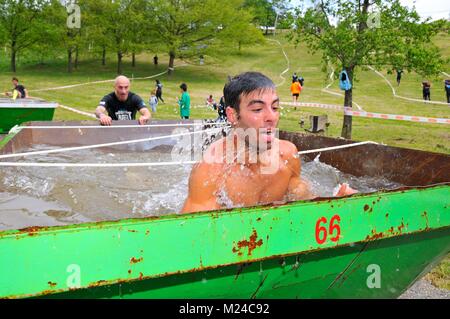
(319, 105)
(349, 111)
(101, 81)
(119, 126)
(287, 60)
(78, 111)
(77, 148)
(403, 97)
(28, 164)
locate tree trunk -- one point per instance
(76, 58)
(104, 56)
(69, 60)
(347, 124)
(13, 57)
(171, 62)
(119, 63)
(133, 59)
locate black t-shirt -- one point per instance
(119, 110)
(21, 90)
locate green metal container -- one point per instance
(18, 112)
(362, 246)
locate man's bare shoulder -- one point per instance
(288, 149)
(215, 153)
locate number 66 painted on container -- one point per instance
(322, 230)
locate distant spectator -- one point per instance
(153, 101)
(447, 89)
(211, 103)
(296, 88)
(301, 80)
(294, 77)
(399, 76)
(155, 60)
(202, 60)
(221, 110)
(159, 90)
(19, 91)
(426, 90)
(184, 102)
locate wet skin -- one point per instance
(247, 183)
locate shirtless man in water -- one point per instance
(264, 170)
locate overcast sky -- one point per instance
(436, 9)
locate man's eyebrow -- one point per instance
(261, 102)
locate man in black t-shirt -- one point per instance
(121, 104)
(21, 91)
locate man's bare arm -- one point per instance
(100, 114)
(145, 116)
(202, 187)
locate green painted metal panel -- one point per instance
(16, 115)
(341, 272)
(127, 253)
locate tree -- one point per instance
(116, 23)
(267, 12)
(239, 33)
(21, 21)
(357, 33)
(184, 25)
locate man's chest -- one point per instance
(245, 187)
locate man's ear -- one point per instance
(232, 115)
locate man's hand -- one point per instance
(143, 120)
(345, 190)
(105, 119)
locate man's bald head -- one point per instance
(122, 87)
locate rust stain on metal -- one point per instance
(366, 207)
(97, 283)
(135, 261)
(129, 271)
(147, 232)
(52, 284)
(425, 215)
(258, 219)
(401, 227)
(32, 231)
(201, 262)
(132, 230)
(141, 276)
(374, 235)
(251, 244)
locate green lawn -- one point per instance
(370, 91)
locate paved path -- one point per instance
(423, 289)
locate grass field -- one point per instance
(370, 91)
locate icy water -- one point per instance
(31, 196)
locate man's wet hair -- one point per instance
(244, 84)
(183, 86)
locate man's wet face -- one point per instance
(259, 110)
(122, 88)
